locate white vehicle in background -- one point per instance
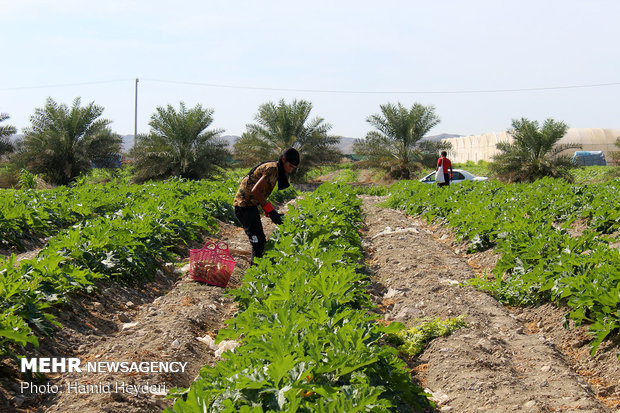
(458, 176)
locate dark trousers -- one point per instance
(446, 180)
(250, 221)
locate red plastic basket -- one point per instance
(212, 264)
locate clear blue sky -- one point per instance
(232, 56)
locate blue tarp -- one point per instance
(111, 161)
(588, 158)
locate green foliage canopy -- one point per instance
(393, 145)
(5, 132)
(287, 125)
(534, 152)
(62, 142)
(179, 144)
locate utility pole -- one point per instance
(135, 120)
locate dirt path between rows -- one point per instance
(160, 321)
(504, 361)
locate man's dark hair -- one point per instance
(291, 155)
(444, 153)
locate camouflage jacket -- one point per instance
(244, 195)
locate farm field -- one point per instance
(504, 359)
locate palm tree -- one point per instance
(179, 144)
(6, 131)
(534, 152)
(614, 172)
(393, 145)
(63, 142)
(615, 155)
(430, 150)
(284, 126)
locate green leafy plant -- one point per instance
(27, 180)
(541, 260)
(413, 341)
(114, 230)
(309, 342)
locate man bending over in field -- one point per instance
(254, 190)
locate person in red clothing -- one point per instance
(445, 163)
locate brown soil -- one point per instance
(157, 321)
(506, 360)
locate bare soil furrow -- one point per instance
(494, 364)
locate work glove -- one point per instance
(276, 218)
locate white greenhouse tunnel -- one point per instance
(482, 147)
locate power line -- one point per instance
(66, 84)
(436, 92)
(359, 92)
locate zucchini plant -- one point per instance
(541, 258)
(118, 231)
(309, 342)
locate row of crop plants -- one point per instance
(123, 232)
(542, 257)
(31, 214)
(27, 215)
(308, 341)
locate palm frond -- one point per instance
(393, 145)
(283, 125)
(534, 152)
(181, 144)
(62, 142)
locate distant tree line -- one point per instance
(64, 142)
